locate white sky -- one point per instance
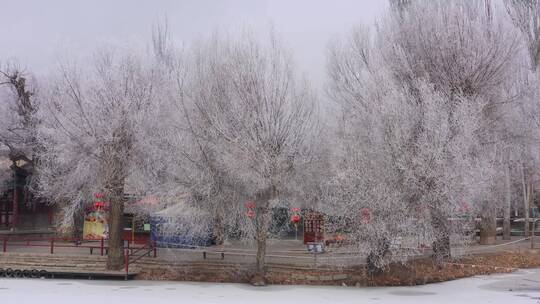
(36, 32)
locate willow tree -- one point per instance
(525, 16)
(251, 119)
(424, 92)
(464, 48)
(89, 132)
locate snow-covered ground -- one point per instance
(520, 287)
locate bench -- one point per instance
(222, 254)
(98, 247)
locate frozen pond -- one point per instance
(520, 287)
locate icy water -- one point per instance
(519, 287)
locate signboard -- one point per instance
(313, 228)
(146, 227)
(315, 247)
(96, 225)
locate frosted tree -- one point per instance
(401, 163)
(463, 47)
(421, 94)
(18, 108)
(525, 15)
(246, 124)
(90, 134)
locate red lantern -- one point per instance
(250, 213)
(251, 205)
(295, 219)
(366, 215)
(465, 207)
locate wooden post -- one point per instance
(101, 246)
(126, 259)
(4, 247)
(155, 249)
(52, 246)
(132, 229)
(15, 212)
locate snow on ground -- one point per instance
(520, 287)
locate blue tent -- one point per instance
(164, 234)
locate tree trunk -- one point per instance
(78, 223)
(219, 228)
(261, 231)
(531, 205)
(441, 244)
(526, 200)
(507, 205)
(374, 258)
(488, 230)
(114, 192)
(115, 258)
(261, 222)
(114, 181)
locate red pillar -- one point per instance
(15, 212)
(6, 215)
(50, 215)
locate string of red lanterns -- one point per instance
(250, 205)
(366, 215)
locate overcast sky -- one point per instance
(37, 32)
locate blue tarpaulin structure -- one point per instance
(167, 229)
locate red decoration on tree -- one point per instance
(366, 215)
(295, 219)
(99, 204)
(465, 207)
(251, 209)
(251, 205)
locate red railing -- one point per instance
(131, 256)
(53, 243)
(62, 242)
